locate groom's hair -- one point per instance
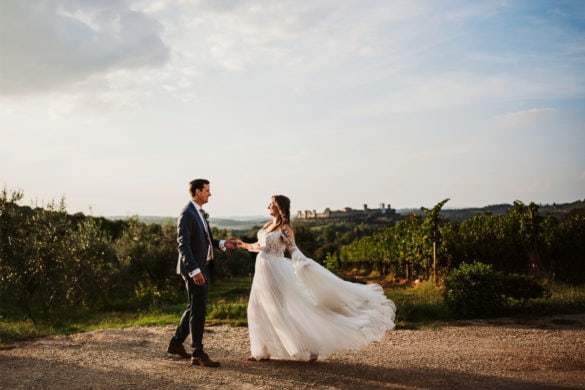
(197, 184)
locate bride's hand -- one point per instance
(287, 241)
(242, 245)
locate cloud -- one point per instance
(46, 45)
(525, 117)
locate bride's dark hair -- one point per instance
(283, 204)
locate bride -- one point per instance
(298, 310)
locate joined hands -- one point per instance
(240, 244)
(231, 243)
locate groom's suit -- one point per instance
(195, 251)
(194, 239)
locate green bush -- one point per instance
(474, 290)
(523, 288)
(477, 290)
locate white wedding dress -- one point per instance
(298, 310)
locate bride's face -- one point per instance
(273, 208)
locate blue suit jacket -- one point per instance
(193, 243)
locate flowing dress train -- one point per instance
(299, 310)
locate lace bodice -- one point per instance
(271, 242)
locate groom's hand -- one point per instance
(230, 243)
(199, 279)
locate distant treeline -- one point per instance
(53, 262)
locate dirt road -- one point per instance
(545, 354)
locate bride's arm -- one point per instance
(255, 247)
(299, 260)
(288, 237)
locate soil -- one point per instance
(546, 353)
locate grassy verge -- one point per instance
(228, 301)
(20, 329)
(563, 299)
(419, 306)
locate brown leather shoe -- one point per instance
(178, 350)
(204, 361)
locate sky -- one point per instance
(116, 105)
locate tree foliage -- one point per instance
(520, 241)
(52, 262)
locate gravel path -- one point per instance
(548, 353)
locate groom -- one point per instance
(195, 255)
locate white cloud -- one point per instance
(525, 117)
(400, 95)
(46, 45)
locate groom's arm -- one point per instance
(224, 244)
(184, 234)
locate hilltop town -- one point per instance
(383, 214)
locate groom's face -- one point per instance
(201, 196)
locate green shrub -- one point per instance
(474, 290)
(523, 288)
(477, 290)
